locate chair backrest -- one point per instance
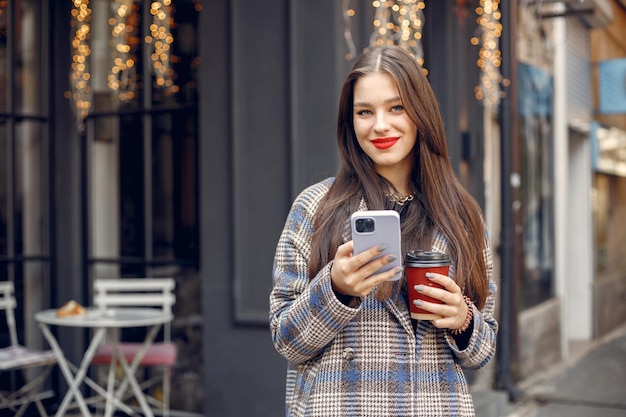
(8, 303)
(135, 292)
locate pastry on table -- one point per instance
(71, 308)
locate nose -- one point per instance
(381, 124)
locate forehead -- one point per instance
(374, 87)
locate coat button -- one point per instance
(348, 354)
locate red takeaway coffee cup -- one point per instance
(417, 263)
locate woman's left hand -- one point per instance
(453, 309)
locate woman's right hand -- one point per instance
(353, 275)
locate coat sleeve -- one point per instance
(305, 315)
(482, 344)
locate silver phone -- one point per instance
(374, 228)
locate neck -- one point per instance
(399, 176)
(401, 188)
(400, 183)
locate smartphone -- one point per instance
(374, 228)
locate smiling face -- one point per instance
(383, 128)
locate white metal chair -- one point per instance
(141, 292)
(18, 357)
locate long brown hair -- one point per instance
(441, 203)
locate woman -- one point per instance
(352, 348)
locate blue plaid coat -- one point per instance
(368, 360)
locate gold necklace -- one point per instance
(400, 199)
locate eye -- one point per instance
(364, 112)
(397, 108)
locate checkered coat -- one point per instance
(368, 360)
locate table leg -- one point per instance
(129, 371)
(108, 409)
(103, 393)
(73, 380)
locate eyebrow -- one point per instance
(388, 101)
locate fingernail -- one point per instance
(430, 275)
(398, 270)
(419, 288)
(391, 258)
(418, 303)
(381, 248)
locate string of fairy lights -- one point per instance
(400, 22)
(122, 79)
(125, 40)
(489, 56)
(79, 73)
(160, 41)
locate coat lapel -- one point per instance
(400, 310)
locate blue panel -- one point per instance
(613, 86)
(535, 91)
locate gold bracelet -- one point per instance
(468, 317)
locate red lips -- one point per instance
(384, 143)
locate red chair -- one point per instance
(142, 292)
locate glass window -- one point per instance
(24, 171)
(141, 169)
(27, 57)
(142, 132)
(537, 224)
(30, 192)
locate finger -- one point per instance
(342, 267)
(369, 254)
(345, 250)
(431, 307)
(385, 276)
(446, 320)
(372, 267)
(443, 295)
(366, 285)
(435, 292)
(452, 299)
(444, 280)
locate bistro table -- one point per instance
(100, 321)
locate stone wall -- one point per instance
(609, 298)
(539, 338)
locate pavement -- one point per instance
(592, 383)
